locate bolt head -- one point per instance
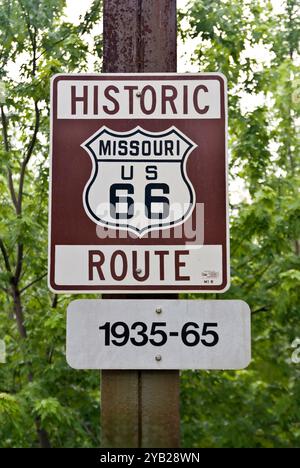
(158, 310)
(158, 358)
(138, 94)
(138, 271)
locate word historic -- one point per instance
(138, 99)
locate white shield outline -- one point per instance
(95, 161)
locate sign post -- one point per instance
(140, 408)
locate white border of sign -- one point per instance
(140, 291)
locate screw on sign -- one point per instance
(139, 183)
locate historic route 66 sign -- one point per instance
(138, 198)
(139, 181)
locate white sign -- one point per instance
(104, 99)
(170, 265)
(153, 334)
(123, 193)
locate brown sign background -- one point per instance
(71, 168)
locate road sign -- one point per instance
(153, 334)
(138, 198)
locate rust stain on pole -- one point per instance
(160, 409)
(159, 36)
(119, 409)
(139, 36)
(140, 408)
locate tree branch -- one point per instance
(87, 22)
(27, 19)
(51, 350)
(4, 129)
(28, 155)
(6, 147)
(19, 264)
(260, 309)
(18, 310)
(33, 282)
(52, 45)
(54, 301)
(21, 186)
(258, 276)
(5, 256)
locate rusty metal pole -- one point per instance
(139, 408)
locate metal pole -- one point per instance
(140, 408)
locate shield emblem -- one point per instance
(139, 181)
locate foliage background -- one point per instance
(42, 401)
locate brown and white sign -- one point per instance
(138, 198)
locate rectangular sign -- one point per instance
(138, 197)
(116, 100)
(153, 334)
